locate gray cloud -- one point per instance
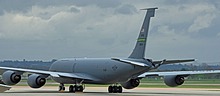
(25, 5)
(126, 9)
(74, 9)
(95, 28)
(16, 5)
(201, 22)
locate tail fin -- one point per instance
(139, 50)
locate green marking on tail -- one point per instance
(141, 40)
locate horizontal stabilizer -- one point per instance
(172, 61)
(130, 62)
(149, 8)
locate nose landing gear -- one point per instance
(61, 87)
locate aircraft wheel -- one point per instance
(114, 89)
(61, 88)
(119, 89)
(77, 88)
(72, 89)
(110, 89)
(80, 88)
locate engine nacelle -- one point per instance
(132, 83)
(174, 81)
(11, 77)
(36, 81)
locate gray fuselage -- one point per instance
(106, 70)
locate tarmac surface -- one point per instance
(102, 91)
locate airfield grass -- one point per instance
(153, 83)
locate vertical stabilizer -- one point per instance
(139, 50)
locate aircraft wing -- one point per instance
(172, 61)
(54, 74)
(183, 73)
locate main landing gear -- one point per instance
(76, 88)
(80, 88)
(115, 89)
(72, 88)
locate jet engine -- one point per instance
(132, 83)
(174, 81)
(11, 77)
(36, 81)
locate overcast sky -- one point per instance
(55, 29)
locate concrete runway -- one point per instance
(102, 91)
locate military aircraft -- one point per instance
(118, 72)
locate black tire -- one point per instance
(119, 89)
(80, 88)
(77, 88)
(71, 89)
(110, 89)
(61, 88)
(114, 89)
